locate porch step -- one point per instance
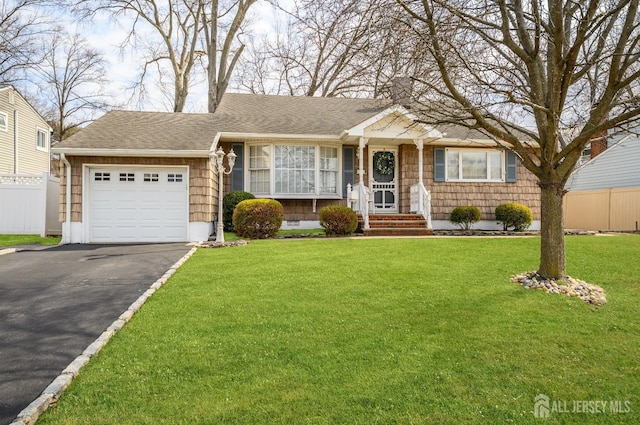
(395, 225)
(395, 231)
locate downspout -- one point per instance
(67, 215)
(15, 141)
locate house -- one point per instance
(604, 192)
(24, 135)
(148, 176)
(29, 195)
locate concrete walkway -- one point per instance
(55, 302)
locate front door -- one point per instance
(383, 180)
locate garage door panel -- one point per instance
(144, 207)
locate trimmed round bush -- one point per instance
(229, 203)
(514, 215)
(465, 216)
(338, 220)
(258, 218)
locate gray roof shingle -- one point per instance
(145, 130)
(237, 113)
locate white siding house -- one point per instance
(25, 136)
(616, 167)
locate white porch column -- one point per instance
(420, 145)
(361, 144)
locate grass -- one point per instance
(13, 240)
(385, 331)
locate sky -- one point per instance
(106, 35)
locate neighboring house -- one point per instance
(604, 193)
(24, 135)
(29, 196)
(146, 176)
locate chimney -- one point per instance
(599, 142)
(401, 91)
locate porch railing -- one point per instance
(420, 202)
(359, 200)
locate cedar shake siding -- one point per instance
(302, 209)
(202, 203)
(445, 196)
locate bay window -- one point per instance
(293, 170)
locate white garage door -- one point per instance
(138, 205)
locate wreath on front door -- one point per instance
(385, 163)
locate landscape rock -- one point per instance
(591, 294)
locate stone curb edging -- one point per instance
(30, 414)
(7, 251)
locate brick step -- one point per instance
(382, 231)
(396, 224)
(394, 217)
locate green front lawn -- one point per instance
(13, 240)
(362, 331)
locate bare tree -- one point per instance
(347, 48)
(173, 33)
(71, 82)
(221, 65)
(163, 32)
(322, 50)
(21, 27)
(570, 68)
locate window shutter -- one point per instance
(237, 174)
(348, 168)
(512, 167)
(439, 162)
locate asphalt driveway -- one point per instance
(55, 302)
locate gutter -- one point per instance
(15, 141)
(67, 216)
(165, 153)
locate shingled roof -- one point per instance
(326, 116)
(246, 114)
(146, 130)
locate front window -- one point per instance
(328, 170)
(475, 165)
(259, 164)
(293, 170)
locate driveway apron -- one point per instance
(55, 302)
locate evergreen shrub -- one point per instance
(338, 220)
(258, 218)
(465, 216)
(514, 215)
(229, 203)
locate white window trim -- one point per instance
(5, 128)
(487, 180)
(272, 184)
(46, 139)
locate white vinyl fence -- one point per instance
(29, 204)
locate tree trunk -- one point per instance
(181, 93)
(552, 263)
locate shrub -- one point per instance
(338, 220)
(465, 216)
(229, 203)
(258, 218)
(514, 215)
